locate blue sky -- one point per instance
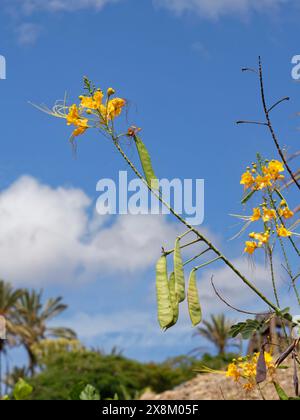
(178, 64)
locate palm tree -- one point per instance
(217, 332)
(8, 300)
(34, 316)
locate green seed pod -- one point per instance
(164, 305)
(174, 300)
(193, 300)
(179, 272)
(146, 163)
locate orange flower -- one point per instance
(256, 214)
(269, 214)
(286, 213)
(247, 180)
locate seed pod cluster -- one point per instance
(171, 291)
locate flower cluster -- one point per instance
(94, 110)
(243, 370)
(265, 178)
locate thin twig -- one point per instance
(232, 307)
(270, 126)
(278, 103)
(251, 122)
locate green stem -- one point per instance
(273, 275)
(196, 257)
(207, 263)
(282, 244)
(190, 227)
(166, 253)
(284, 225)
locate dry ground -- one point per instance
(218, 387)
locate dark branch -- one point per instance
(278, 103)
(251, 122)
(232, 307)
(249, 69)
(270, 126)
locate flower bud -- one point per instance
(110, 91)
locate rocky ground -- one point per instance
(218, 387)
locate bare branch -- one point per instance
(232, 307)
(251, 122)
(278, 103)
(270, 126)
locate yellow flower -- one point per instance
(113, 109)
(78, 131)
(73, 115)
(247, 180)
(251, 247)
(262, 238)
(92, 102)
(233, 372)
(269, 360)
(283, 232)
(263, 182)
(274, 169)
(74, 118)
(269, 214)
(286, 213)
(256, 214)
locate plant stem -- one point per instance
(196, 257)
(190, 227)
(166, 253)
(270, 126)
(270, 254)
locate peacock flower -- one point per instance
(269, 214)
(233, 372)
(262, 238)
(263, 181)
(275, 168)
(247, 180)
(250, 247)
(256, 215)
(74, 118)
(286, 213)
(244, 370)
(92, 102)
(283, 232)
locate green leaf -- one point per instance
(285, 313)
(90, 393)
(247, 329)
(76, 390)
(248, 196)
(146, 163)
(22, 390)
(193, 300)
(164, 305)
(179, 272)
(280, 392)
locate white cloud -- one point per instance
(214, 9)
(47, 235)
(234, 291)
(134, 331)
(30, 6)
(137, 330)
(20, 10)
(28, 33)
